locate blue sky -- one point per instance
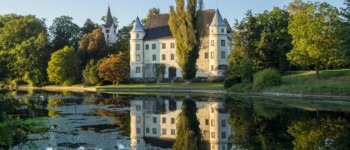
(127, 10)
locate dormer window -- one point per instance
(212, 30)
(107, 31)
(137, 36)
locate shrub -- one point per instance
(266, 78)
(90, 73)
(230, 81)
(246, 70)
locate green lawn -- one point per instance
(193, 86)
(331, 82)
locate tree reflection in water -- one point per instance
(16, 122)
(188, 131)
(259, 124)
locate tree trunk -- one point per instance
(188, 82)
(317, 72)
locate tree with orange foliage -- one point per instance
(115, 68)
(92, 46)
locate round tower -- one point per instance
(137, 125)
(136, 50)
(217, 44)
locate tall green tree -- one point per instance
(188, 135)
(151, 12)
(245, 35)
(23, 49)
(314, 32)
(92, 46)
(263, 39)
(64, 67)
(343, 32)
(32, 57)
(89, 26)
(275, 41)
(122, 44)
(64, 33)
(184, 25)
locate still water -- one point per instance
(51, 120)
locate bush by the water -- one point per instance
(266, 78)
(230, 81)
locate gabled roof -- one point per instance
(137, 27)
(109, 18)
(217, 20)
(158, 27)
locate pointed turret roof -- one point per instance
(217, 20)
(137, 27)
(109, 18)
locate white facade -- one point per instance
(147, 54)
(109, 29)
(110, 34)
(144, 123)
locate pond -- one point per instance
(65, 120)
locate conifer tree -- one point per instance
(185, 28)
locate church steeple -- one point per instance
(137, 26)
(109, 18)
(217, 19)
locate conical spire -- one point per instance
(217, 19)
(137, 26)
(109, 18)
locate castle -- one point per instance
(154, 44)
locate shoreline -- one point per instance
(177, 90)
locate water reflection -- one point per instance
(260, 123)
(153, 123)
(49, 120)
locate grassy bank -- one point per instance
(331, 82)
(193, 86)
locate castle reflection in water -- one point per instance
(153, 123)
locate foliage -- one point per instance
(262, 38)
(162, 69)
(343, 33)
(92, 46)
(89, 26)
(295, 7)
(152, 11)
(315, 42)
(14, 130)
(230, 81)
(90, 73)
(188, 135)
(64, 67)
(64, 33)
(246, 70)
(122, 44)
(320, 134)
(266, 78)
(115, 68)
(23, 49)
(184, 25)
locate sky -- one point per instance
(127, 10)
